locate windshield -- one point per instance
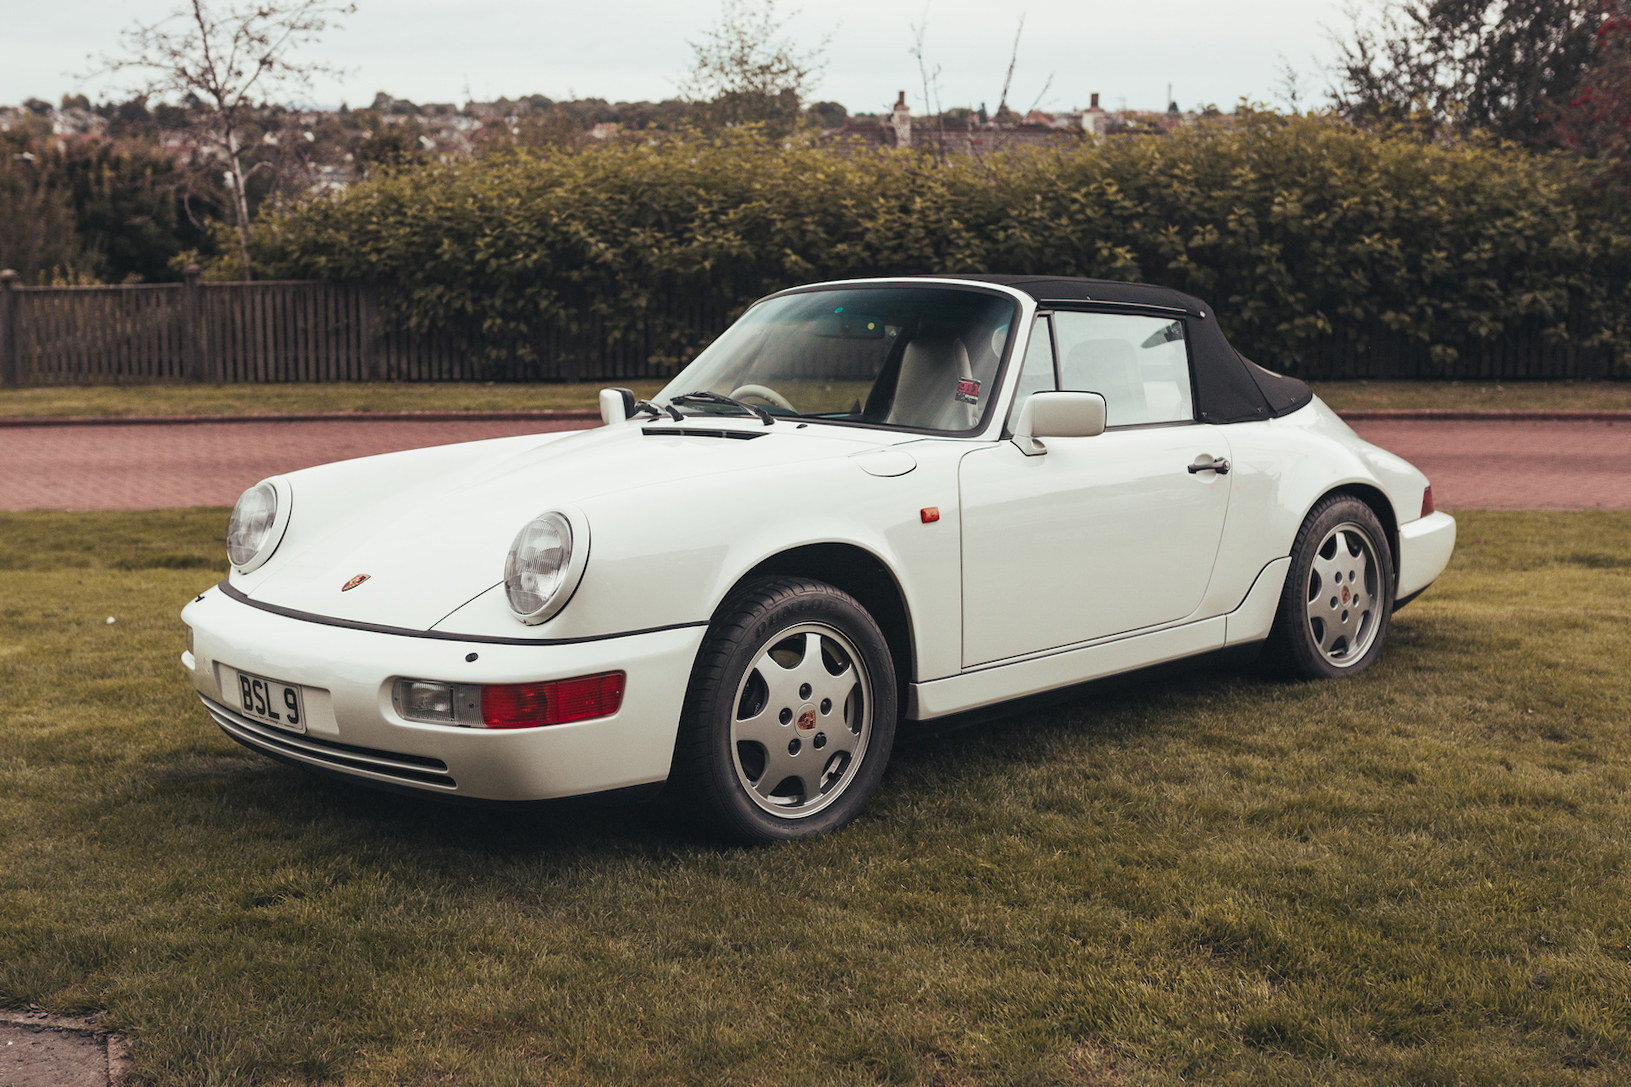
(922, 358)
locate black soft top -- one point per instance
(1229, 388)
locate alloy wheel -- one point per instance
(1343, 595)
(801, 720)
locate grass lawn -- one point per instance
(279, 398)
(395, 396)
(1418, 876)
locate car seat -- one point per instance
(926, 391)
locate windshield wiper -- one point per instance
(717, 398)
(658, 410)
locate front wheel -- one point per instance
(1338, 596)
(790, 715)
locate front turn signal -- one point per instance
(554, 702)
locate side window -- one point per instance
(1036, 372)
(1140, 365)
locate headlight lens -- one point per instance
(536, 569)
(251, 524)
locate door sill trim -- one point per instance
(1003, 682)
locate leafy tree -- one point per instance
(1466, 65)
(1596, 120)
(127, 202)
(827, 114)
(129, 119)
(552, 127)
(90, 211)
(388, 146)
(745, 71)
(669, 115)
(37, 236)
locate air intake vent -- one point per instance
(693, 432)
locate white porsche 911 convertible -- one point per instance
(867, 502)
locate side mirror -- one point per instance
(616, 405)
(1057, 415)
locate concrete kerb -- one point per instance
(116, 1049)
(1612, 415)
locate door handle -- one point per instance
(1220, 466)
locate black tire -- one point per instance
(1316, 633)
(731, 737)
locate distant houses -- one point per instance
(973, 132)
(332, 148)
(66, 123)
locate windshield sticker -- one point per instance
(968, 390)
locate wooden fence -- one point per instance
(1523, 352)
(308, 331)
(286, 331)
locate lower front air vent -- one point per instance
(417, 770)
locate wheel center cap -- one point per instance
(807, 719)
(1345, 594)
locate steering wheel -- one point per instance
(763, 393)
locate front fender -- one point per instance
(665, 556)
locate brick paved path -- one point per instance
(1473, 465)
(201, 464)
(1514, 465)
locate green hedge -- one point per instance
(1294, 228)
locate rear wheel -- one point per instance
(790, 715)
(1338, 596)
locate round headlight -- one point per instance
(250, 529)
(542, 569)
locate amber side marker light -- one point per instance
(929, 514)
(554, 702)
(1427, 500)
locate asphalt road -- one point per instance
(1554, 465)
(203, 464)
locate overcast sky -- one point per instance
(448, 50)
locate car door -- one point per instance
(1098, 536)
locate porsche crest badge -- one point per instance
(353, 583)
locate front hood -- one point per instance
(431, 533)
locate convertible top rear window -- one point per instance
(920, 358)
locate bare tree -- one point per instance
(1013, 59)
(228, 62)
(745, 69)
(931, 80)
(1041, 94)
(1289, 85)
(1008, 79)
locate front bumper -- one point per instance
(1425, 546)
(353, 729)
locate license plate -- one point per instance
(271, 702)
